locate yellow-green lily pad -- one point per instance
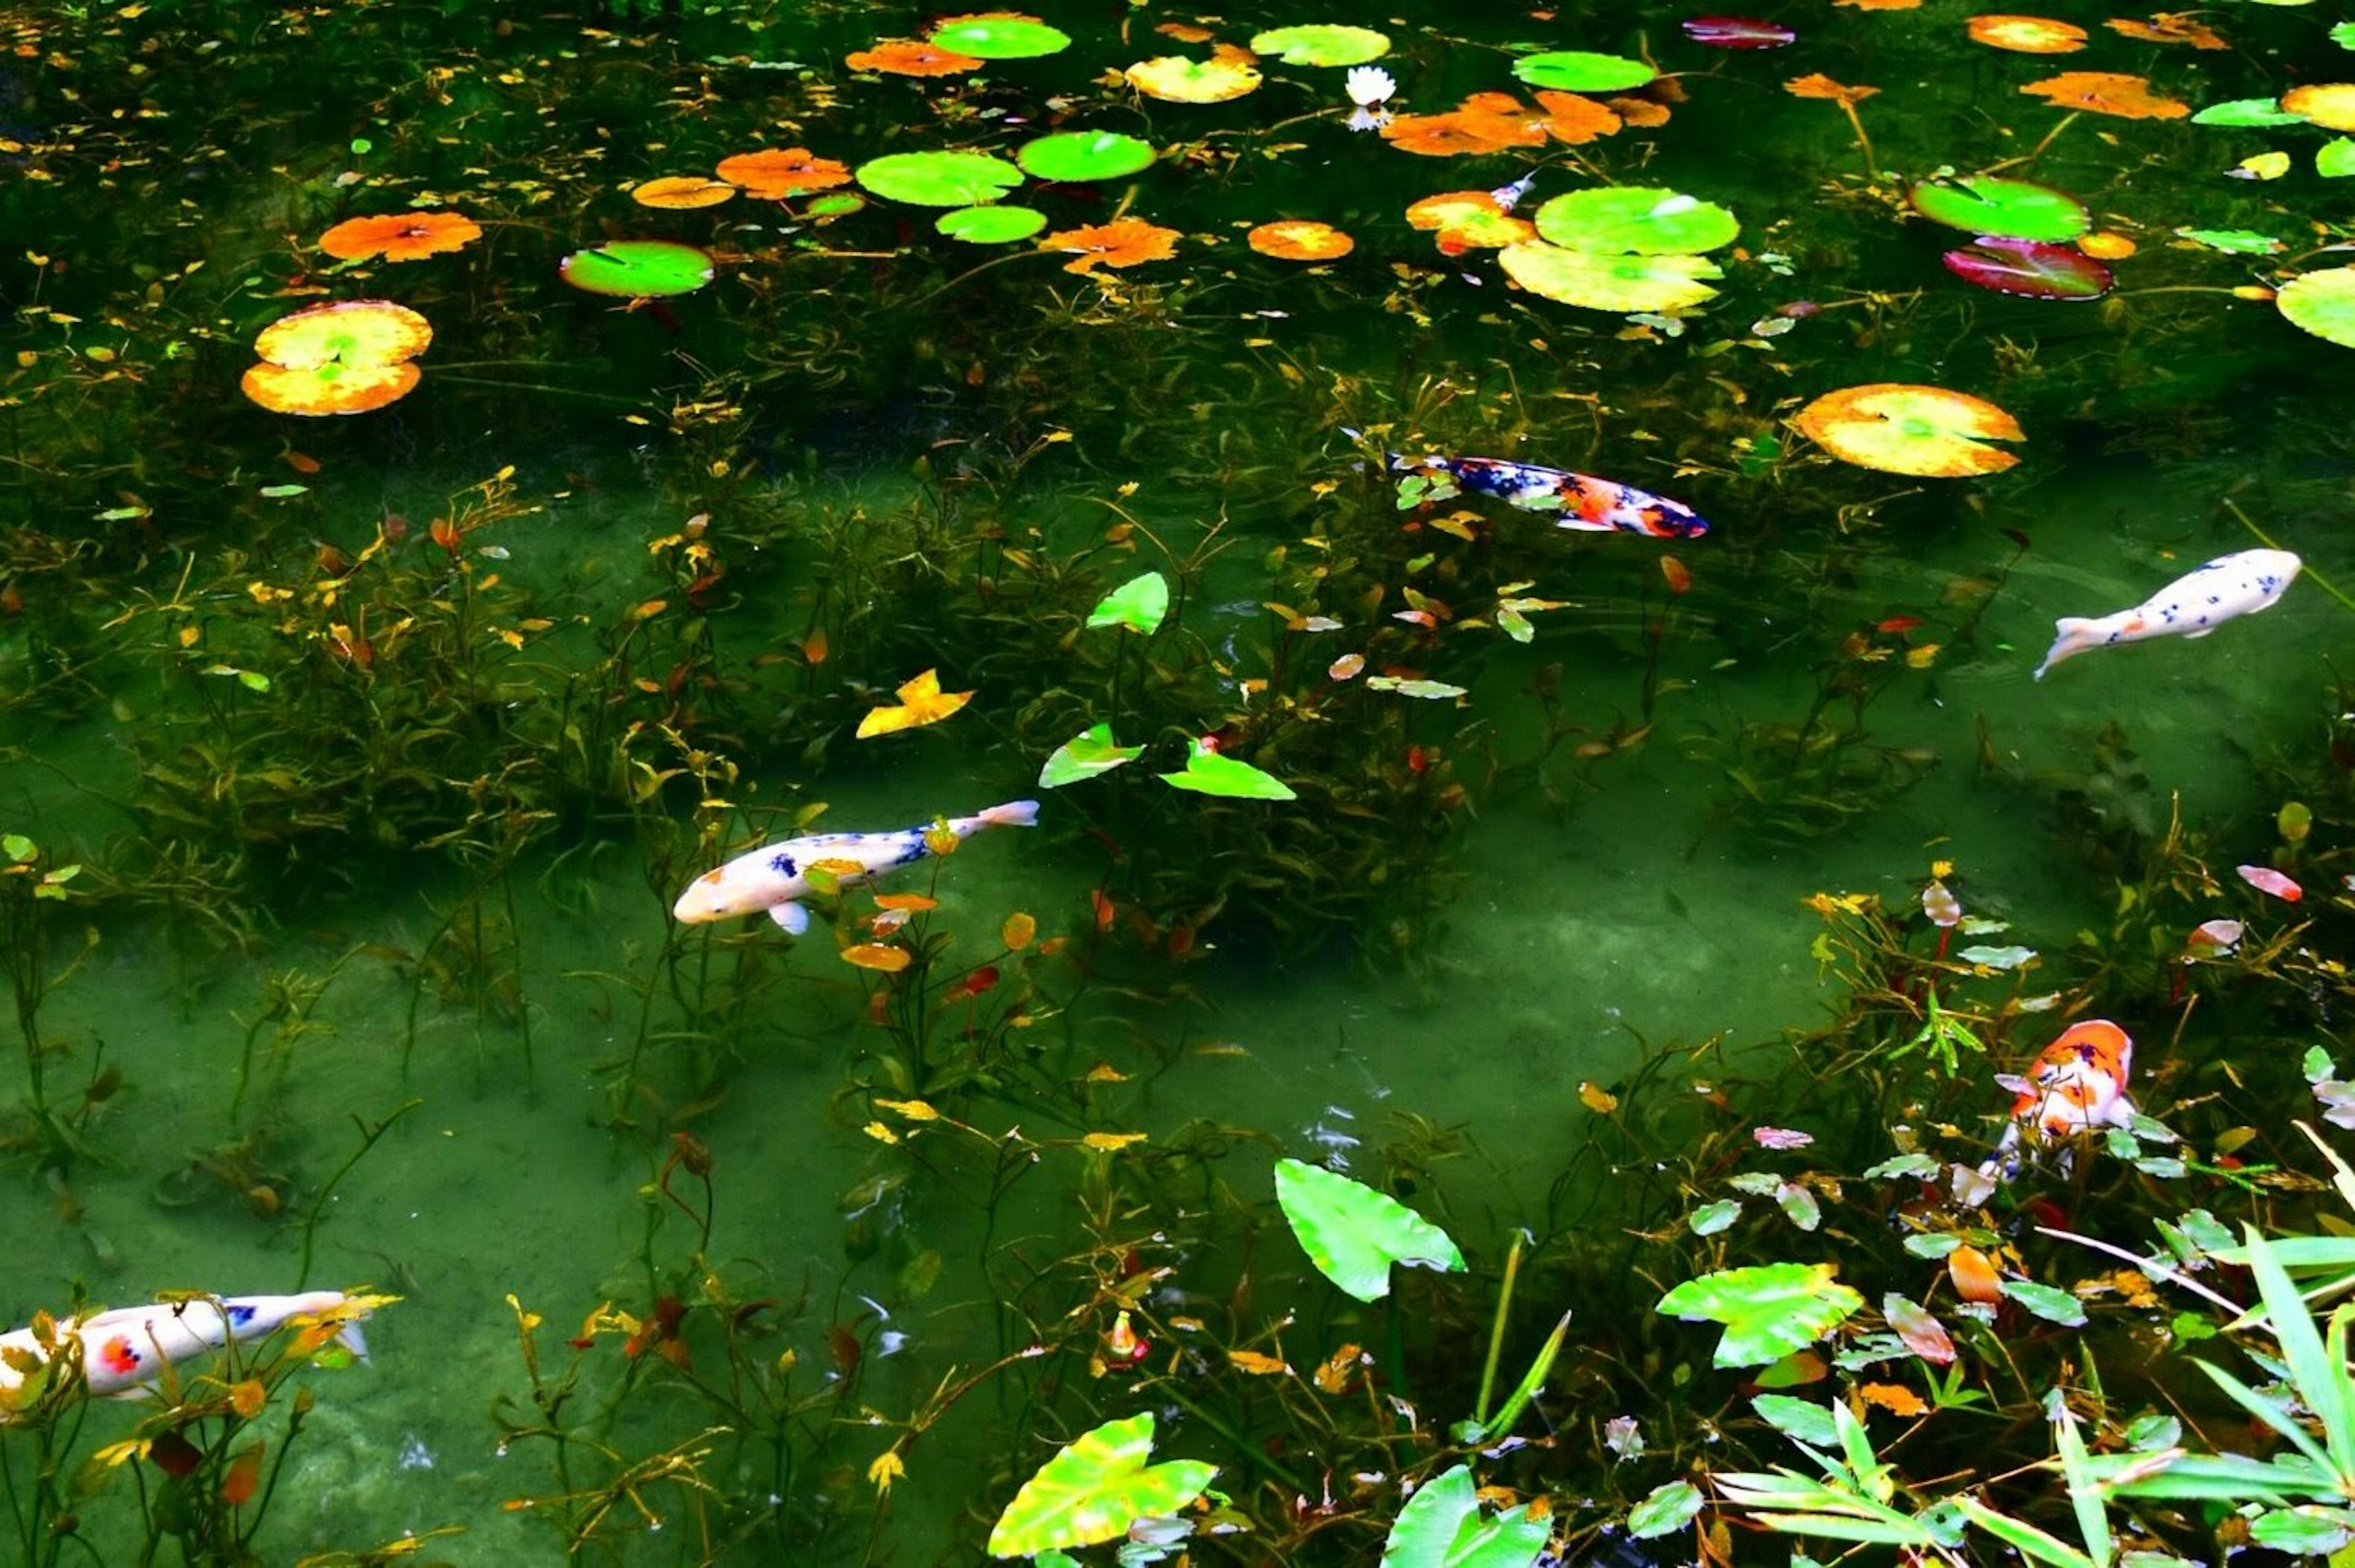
(1622, 283)
(1321, 44)
(1000, 38)
(1074, 156)
(344, 332)
(990, 225)
(1926, 431)
(1611, 219)
(2321, 303)
(939, 179)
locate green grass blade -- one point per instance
(2023, 1537)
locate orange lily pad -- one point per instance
(1300, 240)
(1815, 84)
(922, 702)
(399, 236)
(1469, 220)
(873, 955)
(1122, 242)
(2028, 35)
(1176, 80)
(1896, 428)
(911, 56)
(334, 388)
(682, 192)
(775, 173)
(2330, 104)
(2106, 93)
(2171, 27)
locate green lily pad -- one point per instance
(637, 269)
(1141, 604)
(835, 204)
(939, 179)
(2335, 159)
(1442, 1524)
(1575, 70)
(1612, 218)
(2016, 210)
(1609, 283)
(1206, 773)
(2237, 241)
(1094, 1490)
(990, 225)
(1000, 38)
(2321, 303)
(1768, 1309)
(2246, 112)
(1321, 44)
(1433, 690)
(1084, 756)
(1085, 156)
(1353, 1233)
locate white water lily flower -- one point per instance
(1369, 85)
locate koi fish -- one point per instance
(775, 878)
(2075, 1084)
(124, 1350)
(2193, 604)
(1579, 500)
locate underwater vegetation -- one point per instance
(1572, 992)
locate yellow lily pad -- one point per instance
(334, 388)
(1621, 283)
(1896, 428)
(1181, 81)
(2330, 104)
(352, 332)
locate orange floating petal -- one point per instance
(2106, 245)
(1815, 84)
(1300, 240)
(922, 701)
(777, 173)
(910, 56)
(333, 389)
(682, 192)
(2027, 34)
(1122, 242)
(399, 236)
(883, 960)
(2171, 27)
(2106, 93)
(911, 903)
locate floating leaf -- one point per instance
(2029, 268)
(1141, 605)
(2322, 304)
(2027, 34)
(347, 333)
(883, 960)
(2014, 209)
(638, 269)
(1084, 756)
(1738, 32)
(1668, 1508)
(1353, 1233)
(1075, 156)
(939, 179)
(1322, 43)
(1575, 70)
(2330, 104)
(1094, 1490)
(682, 192)
(399, 236)
(777, 173)
(1655, 283)
(1815, 84)
(1001, 37)
(1802, 1421)
(1430, 689)
(1710, 1217)
(2051, 1305)
(990, 225)
(2106, 93)
(1897, 427)
(333, 389)
(1176, 80)
(2246, 112)
(922, 702)
(906, 56)
(1469, 219)
(1609, 219)
(2169, 27)
(1996, 958)
(1923, 1334)
(1768, 1310)
(2260, 166)
(1206, 773)
(1122, 242)
(2335, 159)
(1442, 1526)
(1300, 240)
(2237, 241)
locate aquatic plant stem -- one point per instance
(1241, 1445)
(1496, 1328)
(2320, 580)
(368, 1134)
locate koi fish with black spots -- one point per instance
(124, 1350)
(1578, 500)
(775, 878)
(2075, 1084)
(2192, 605)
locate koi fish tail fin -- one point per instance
(2071, 635)
(350, 1338)
(1013, 814)
(2004, 1163)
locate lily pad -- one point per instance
(2335, 159)
(1000, 38)
(1176, 80)
(1321, 44)
(1738, 32)
(638, 269)
(1085, 156)
(990, 225)
(1141, 605)
(2015, 209)
(335, 387)
(1896, 428)
(1649, 222)
(2330, 104)
(939, 179)
(1094, 1490)
(1353, 1233)
(2029, 268)
(2234, 242)
(1090, 751)
(2321, 303)
(1575, 70)
(1610, 283)
(1768, 1310)
(2246, 112)
(1442, 1524)
(1206, 773)
(348, 333)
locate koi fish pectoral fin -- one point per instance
(790, 916)
(2195, 636)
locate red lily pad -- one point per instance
(1738, 32)
(2029, 268)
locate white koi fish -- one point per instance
(2076, 1085)
(775, 878)
(2193, 604)
(126, 1349)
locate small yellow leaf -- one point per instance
(1112, 1142)
(871, 955)
(2262, 167)
(1922, 657)
(1104, 1072)
(1254, 1364)
(915, 901)
(1339, 1367)
(1894, 1398)
(880, 1134)
(888, 1467)
(248, 1398)
(1596, 1098)
(188, 635)
(922, 702)
(915, 1110)
(1017, 933)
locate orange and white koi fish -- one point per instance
(2075, 1084)
(2193, 604)
(775, 878)
(126, 1349)
(1576, 500)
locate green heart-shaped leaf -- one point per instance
(1353, 1233)
(1206, 773)
(1094, 1490)
(1609, 219)
(1084, 756)
(1768, 1310)
(1442, 1526)
(1141, 605)
(637, 269)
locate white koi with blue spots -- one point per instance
(2192, 605)
(775, 878)
(125, 1349)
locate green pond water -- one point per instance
(384, 741)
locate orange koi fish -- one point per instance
(1578, 501)
(2075, 1084)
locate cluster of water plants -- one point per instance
(1564, 986)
